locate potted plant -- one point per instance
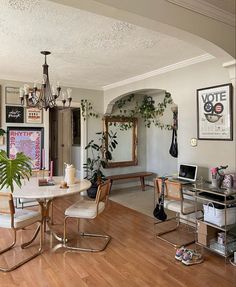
(2, 133)
(13, 170)
(100, 152)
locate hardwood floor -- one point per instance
(134, 257)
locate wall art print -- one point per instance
(14, 114)
(33, 116)
(214, 113)
(27, 140)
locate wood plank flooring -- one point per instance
(134, 257)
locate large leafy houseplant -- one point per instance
(13, 170)
(100, 152)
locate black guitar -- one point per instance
(159, 211)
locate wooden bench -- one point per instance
(140, 175)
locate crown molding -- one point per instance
(176, 66)
(207, 9)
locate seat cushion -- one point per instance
(85, 209)
(175, 205)
(22, 218)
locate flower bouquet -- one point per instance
(217, 174)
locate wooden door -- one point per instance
(60, 138)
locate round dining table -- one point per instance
(46, 193)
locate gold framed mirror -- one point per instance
(125, 154)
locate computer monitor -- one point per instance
(187, 172)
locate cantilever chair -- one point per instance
(16, 219)
(88, 209)
(175, 201)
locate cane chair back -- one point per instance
(6, 203)
(103, 192)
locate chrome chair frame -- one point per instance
(102, 195)
(177, 217)
(11, 210)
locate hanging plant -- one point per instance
(146, 110)
(87, 110)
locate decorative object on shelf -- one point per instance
(12, 96)
(217, 174)
(98, 158)
(28, 140)
(13, 170)
(214, 113)
(45, 97)
(147, 109)
(33, 116)
(14, 114)
(87, 110)
(69, 174)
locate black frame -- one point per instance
(14, 109)
(217, 112)
(41, 129)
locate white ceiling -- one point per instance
(88, 50)
(226, 5)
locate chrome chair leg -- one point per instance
(106, 238)
(24, 245)
(40, 250)
(12, 245)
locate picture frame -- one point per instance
(12, 96)
(14, 114)
(215, 113)
(33, 116)
(29, 140)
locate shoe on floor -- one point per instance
(179, 253)
(191, 257)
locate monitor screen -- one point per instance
(188, 172)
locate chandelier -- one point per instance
(45, 97)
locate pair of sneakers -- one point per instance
(188, 256)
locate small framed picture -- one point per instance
(14, 114)
(214, 113)
(34, 116)
(12, 96)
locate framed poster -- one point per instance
(34, 116)
(12, 96)
(14, 114)
(27, 140)
(214, 113)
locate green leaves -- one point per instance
(146, 110)
(13, 170)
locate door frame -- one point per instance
(84, 135)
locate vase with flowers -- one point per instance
(217, 175)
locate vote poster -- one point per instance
(214, 113)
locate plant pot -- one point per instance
(92, 191)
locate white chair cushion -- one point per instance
(85, 209)
(22, 218)
(175, 205)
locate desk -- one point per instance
(45, 194)
(139, 175)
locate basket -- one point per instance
(215, 215)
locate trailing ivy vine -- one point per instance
(146, 109)
(87, 110)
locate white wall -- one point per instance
(158, 142)
(182, 84)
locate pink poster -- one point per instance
(28, 141)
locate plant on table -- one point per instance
(13, 170)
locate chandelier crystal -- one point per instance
(45, 97)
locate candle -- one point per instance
(51, 169)
(43, 158)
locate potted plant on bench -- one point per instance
(98, 158)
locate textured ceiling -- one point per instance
(88, 50)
